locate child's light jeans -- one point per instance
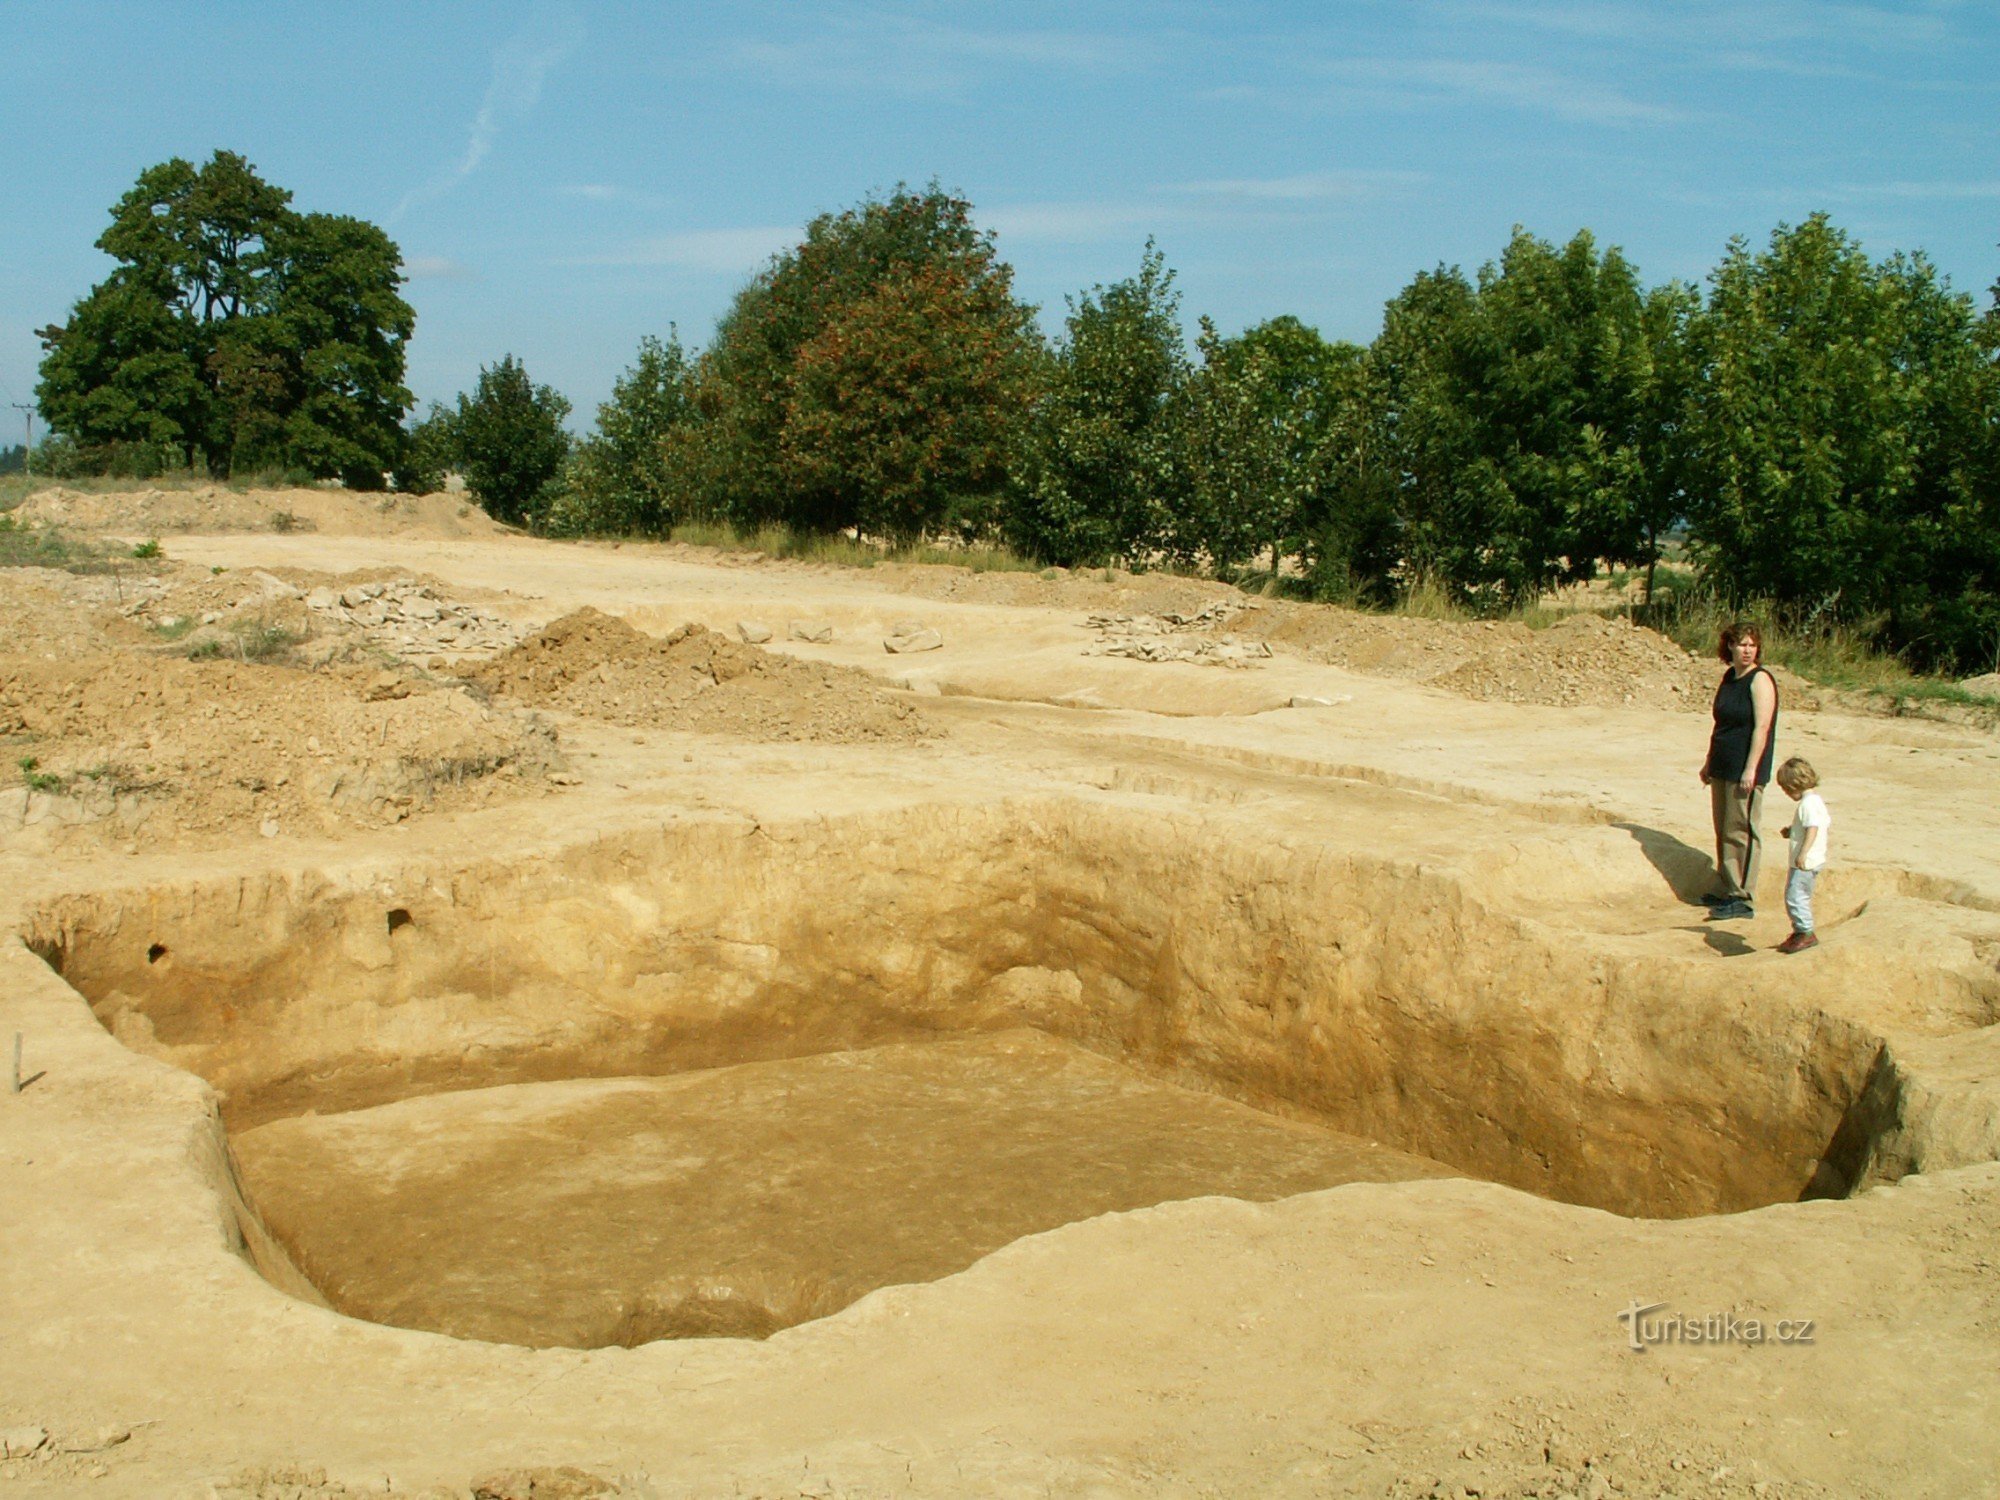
(1798, 898)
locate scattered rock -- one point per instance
(818, 635)
(564, 1483)
(1306, 700)
(97, 1442)
(752, 633)
(384, 686)
(19, 1442)
(1987, 686)
(908, 637)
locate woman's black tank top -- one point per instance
(1735, 723)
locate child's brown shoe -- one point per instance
(1798, 942)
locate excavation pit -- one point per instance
(717, 1079)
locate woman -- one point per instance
(1738, 768)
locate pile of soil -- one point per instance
(1586, 659)
(694, 680)
(217, 508)
(134, 745)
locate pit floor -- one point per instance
(736, 1201)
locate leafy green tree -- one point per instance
(509, 442)
(1416, 435)
(1257, 441)
(904, 402)
(1096, 474)
(1515, 418)
(624, 478)
(1838, 443)
(236, 330)
(866, 378)
(428, 452)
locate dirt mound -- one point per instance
(214, 508)
(135, 745)
(695, 680)
(1586, 659)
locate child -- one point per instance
(1808, 836)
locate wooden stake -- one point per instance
(17, 1064)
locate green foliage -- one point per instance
(1097, 472)
(1840, 443)
(625, 480)
(509, 442)
(1516, 416)
(148, 550)
(427, 452)
(1260, 426)
(48, 547)
(235, 333)
(868, 379)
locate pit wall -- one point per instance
(1375, 995)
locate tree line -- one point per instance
(1821, 429)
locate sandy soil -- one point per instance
(1492, 842)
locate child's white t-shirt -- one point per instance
(1812, 813)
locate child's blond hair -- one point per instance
(1797, 775)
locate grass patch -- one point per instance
(49, 547)
(243, 640)
(1830, 654)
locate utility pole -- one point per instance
(27, 410)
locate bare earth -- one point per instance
(469, 974)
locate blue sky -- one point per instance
(565, 177)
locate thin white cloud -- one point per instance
(1519, 85)
(610, 192)
(1076, 223)
(1779, 36)
(436, 268)
(1939, 190)
(722, 251)
(907, 55)
(1305, 187)
(519, 68)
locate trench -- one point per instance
(717, 1079)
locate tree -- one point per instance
(1256, 442)
(509, 442)
(428, 452)
(625, 478)
(1838, 445)
(1096, 473)
(1514, 418)
(904, 402)
(867, 377)
(236, 331)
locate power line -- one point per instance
(27, 410)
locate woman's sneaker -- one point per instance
(1731, 911)
(1798, 942)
